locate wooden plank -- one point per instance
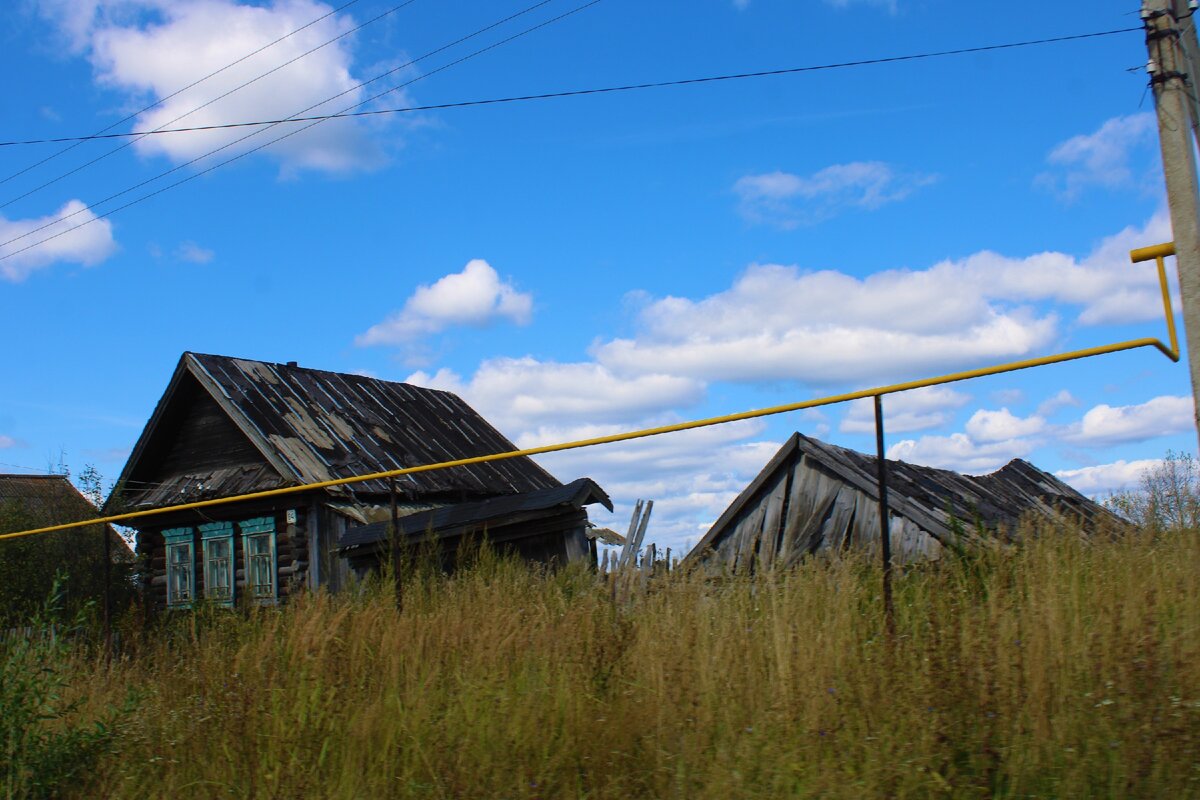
(772, 529)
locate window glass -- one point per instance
(258, 543)
(218, 561)
(180, 566)
(218, 569)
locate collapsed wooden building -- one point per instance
(228, 426)
(814, 497)
(530, 525)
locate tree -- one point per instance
(1168, 497)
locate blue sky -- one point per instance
(588, 265)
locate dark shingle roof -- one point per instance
(313, 425)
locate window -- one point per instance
(258, 546)
(181, 580)
(218, 561)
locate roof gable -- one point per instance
(310, 425)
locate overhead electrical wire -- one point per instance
(315, 120)
(273, 70)
(191, 85)
(582, 92)
(58, 220)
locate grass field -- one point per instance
(1059, 669)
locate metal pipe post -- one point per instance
(397, 567)
(885, 532)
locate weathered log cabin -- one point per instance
(228, 426)
(814, 497)
(530, 525)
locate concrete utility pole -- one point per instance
(1171, 84)
(1191, 53)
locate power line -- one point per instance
(176, 168)
(582, 92)
(238, 88)
(182, 181)
(179, 91)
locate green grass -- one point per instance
(1060, 669)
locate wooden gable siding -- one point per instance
(801, 509)
(197, 453)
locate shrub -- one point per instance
(43, 743)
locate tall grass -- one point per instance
(1060, 669)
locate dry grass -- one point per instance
(1063, 669)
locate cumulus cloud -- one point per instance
(692, 476)
(1103, 425)
(780, 323)
(524, 393)
(917, 410)
(783, 323)
(1002, 425)
(960, 453)
(1112, 477)
(134, 47)
(89, 245)
(475, 297)
(1099, 159)
(787, 200)
(1051, 405)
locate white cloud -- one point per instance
(7, 442)
(194, 253)
(89, 245)
(960, 453)
(1002, 426)
(1098, 159)
(917, 410)
(1051, 405)
(782, 323)
(692, 476)
(779, 323)
(1108, 477)
(475, 297)
(134, 46)
(1104, 424)
(520, 394)
(787, 200)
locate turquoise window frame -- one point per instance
(259, 561)
(180, 539)
(220, 573)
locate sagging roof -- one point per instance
(947, 505)
(52, 500)
(470, 517)
(300, 425)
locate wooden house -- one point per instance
(29, 565)
(44, 500)
(229, 426)
(814, 497)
